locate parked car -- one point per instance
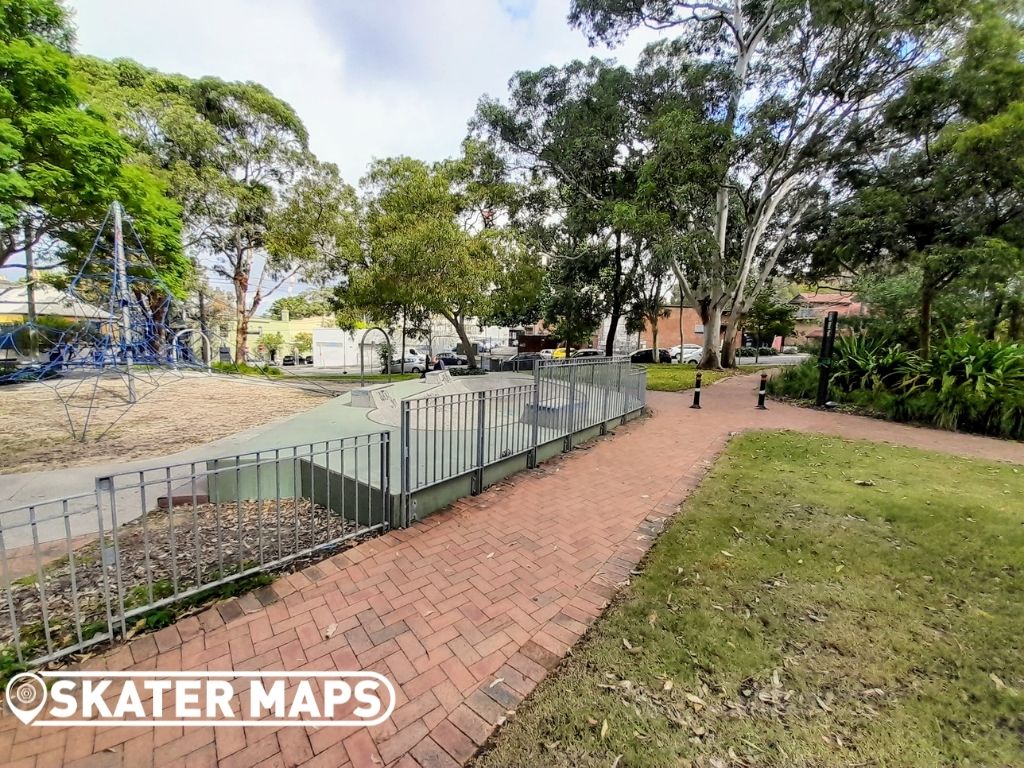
(413, 364)
(308, 360)
(558, 353)
(452, 358)
(288, 360)
(678, 349)
(524, 361)
(588, 353)
(647, 356)
(690, 354)
(545, 354)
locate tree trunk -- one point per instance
(459, 324)
(654, 338)
(732, 329)
(616, 309)
(30, 293)
(924, 326)
(994, 318)
(241, 285)
(711, 316)
(613, 327)
(728, 359)
(1016, 327)
(241, 331)
(682, 341)
(403, 344)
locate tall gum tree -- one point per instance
(577, 128)
(418, 252)
(802, 88)
(61, 162)
(236, 159)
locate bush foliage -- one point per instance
(969, 383)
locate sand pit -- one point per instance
(182, 412)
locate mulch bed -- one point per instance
(189, 548)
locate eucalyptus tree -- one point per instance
(236, 159)
(61, 163)
(948, 210)
(796, 90)
(576, 131)
(419, 255)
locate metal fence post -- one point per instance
(481, 444)
(572, 407)
(625, 395)
(385, 479)
(531, 461)
(605, 386)
(405, 458)
(106, 484)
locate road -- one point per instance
(780, 360)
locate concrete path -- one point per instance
(498, 586)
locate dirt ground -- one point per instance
(173, 412)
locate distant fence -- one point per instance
(89, 568)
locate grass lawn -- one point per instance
(816, 603)
(665, 377)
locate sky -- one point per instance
(368, 78)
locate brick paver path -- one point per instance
(497, 586)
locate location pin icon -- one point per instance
(26, 696)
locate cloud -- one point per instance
(369, 79)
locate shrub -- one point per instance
(977, 385)
(865, 363)
(798, 381)
(246, 369)
(969, 383)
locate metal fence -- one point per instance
(448, 436)
(89, 568)
(84, 569)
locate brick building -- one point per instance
(671, 333)
(812, 308)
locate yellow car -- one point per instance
(558, 354)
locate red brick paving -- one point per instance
(498, 586)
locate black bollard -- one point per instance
(762, 391)
(696, 392)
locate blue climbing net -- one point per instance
(109, 338)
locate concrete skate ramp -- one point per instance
(429, 411)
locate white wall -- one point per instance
(335, 348)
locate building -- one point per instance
(681, 325)
(49, 302)
(813, 307)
